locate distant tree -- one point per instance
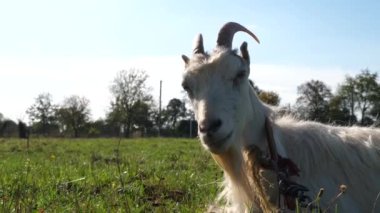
(142, 116)
(339, 113)
(313, 100)
(270, 97)
(361, 93)
(347, 94)
(74, 114)
(375, 112)
(183, 128)
(23, 130)
(8, 128)
(96, 128)
(1, 122)
(174, 111)
(99, 128)
(129, 92)
(42, 114)
(160, 119)
(367, 93)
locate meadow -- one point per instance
(106, 175)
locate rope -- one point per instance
(284, 169)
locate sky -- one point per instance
(76, 47)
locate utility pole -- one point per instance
(159, 111)
(191, 128)
(191, 124)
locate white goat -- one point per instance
(238, 129)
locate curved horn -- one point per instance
(198, 45)
(227, 32)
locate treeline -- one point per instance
(355, 102)
(133, 112)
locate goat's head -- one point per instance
(218, 87)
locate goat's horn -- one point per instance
(198, 45)
(227, 32)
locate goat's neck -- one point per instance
(254, 128)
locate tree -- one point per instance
(2, 125)
(42, 114)
(2, 119)
(8, 128)
(100, 128)
(183, 128)
(270, 97)
(23, 130)
(347, 95)
(74, 114)
(367, 92)
(313, 101)
(186, 125)
(141, 116)
(375, 112)
(339, 113)
(361, 93)
(175, 110)
(128, 89)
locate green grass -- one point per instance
(91, 175)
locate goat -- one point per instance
(238, 130)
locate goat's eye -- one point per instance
(186, 88)
(240, 75)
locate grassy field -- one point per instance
(101, 175)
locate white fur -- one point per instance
(327, 156)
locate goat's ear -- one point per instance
(244, 51)
(185, 59)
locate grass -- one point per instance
(93, 175)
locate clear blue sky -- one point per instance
(320, 36)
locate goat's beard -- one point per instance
(244, 169)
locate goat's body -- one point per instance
(232, 126)
(328, 157)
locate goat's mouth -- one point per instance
(217, 145)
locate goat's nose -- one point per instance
(209, 127)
